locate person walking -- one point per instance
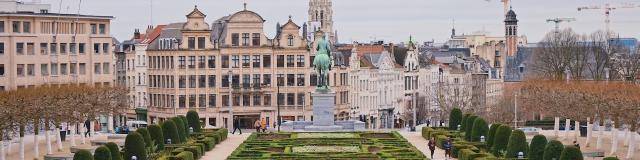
(236, 125)
(447, 148)
(263, 125)
(257, 125)
(432, 146)
(87, 124)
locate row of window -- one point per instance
(246, 61)
(57, 48)
(209, 100)
(55, 69)
(17, 27)
(53, 27)
(247, 80)
(255, 39)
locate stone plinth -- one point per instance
(323, 118)
(91, 149)
(323, 109)
(59, 156)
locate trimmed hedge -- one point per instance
(185, 155)
(611, 158)
(536, 150)
(102, 153)
(114, 149)
(194, 121)
(185, 123)
(180, 126)
(82, 155)
(553, 150)
(145, 136)
(571, 153)
(469, 127)
(463, 123)
(170, 131)
(500, 141)
(156, 135)
(134, 146)
(492, 132)
(480, 128)
(455, 117)
(517, 143)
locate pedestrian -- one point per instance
(263, 125)
(236, 125)
(87, 125)
(447, 148)
(63, 132)
(257, 125)
(432, 146)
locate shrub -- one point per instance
(156, 135)
(454, 118)
(145, 136)
(463, 122)
(611, 158)
(102, 153)
(185, 123)
(469, 127)
(517, 143)
(114, 150)
(180, 126)
(536, 150)
(480, 128)
(170, 131)
(571, 153)
(553, 150)
(492, 132)
(194, 120)
(500, 140)
(82, 155)
(185, 155)
(134, 146)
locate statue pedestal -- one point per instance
(323, 117)
(323, 108)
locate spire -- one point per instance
(245, 6)
(304, 30)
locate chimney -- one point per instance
(136, 34)
(149, 29)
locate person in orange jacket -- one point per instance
(263, 125)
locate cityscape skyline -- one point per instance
(424, 20)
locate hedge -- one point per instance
(156, 135)
(134, 146)
(455, 117)
(145, 136)
(114, 149)
(611, 158)
(469, 127)
(517, 143)
(500, 141)
(536, 150)
(194, 120)
(571, 153)
(463, 123)
(102, 153)
(185, 123)
(82, 155)
(553, 150)
(185, 155)
(480, 129)
(180, 126)
(170, 131)
(492, 132)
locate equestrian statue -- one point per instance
(322, 63)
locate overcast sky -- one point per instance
(365, 20)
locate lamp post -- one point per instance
(278, 105)
(190, 130)
(134, 158)
(520, 155)
(482, 139)
(230, 101)
(168, 141)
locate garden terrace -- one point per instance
(353, 145)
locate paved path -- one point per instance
(226, 147)
(416, 139)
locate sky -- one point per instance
(368, 20)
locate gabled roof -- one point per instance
(196, 13)
(290, 23)
(238, 16)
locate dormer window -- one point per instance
(256, 39)
(192, 42)
(201, 42)
(290, 40)
(245, 39)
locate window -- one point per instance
(202, 100)
(256, 61)
(225, 61)
(245, 39)
(96, 68)
(290, 60)
(201, 42)
(290, 40)
(291, 79)
(246, 100)
(225, 100)
(96, 48)
(63, 69)
(44, 69)
(1, 26)
(212, 62)
(266, 61)
(192, 61)
(266, 79)
(256, 80)
(94, 29)
(102, 28)
(1, 47)
(311, 61)
(280, 61)
(301, 98)
(212, 101)
(20, 48)
(236, 100)
(44, 49)
(291, 98)
(235, 39)
(267, 100)
(63, 48)
(192, 81)
(245, 61)
(54, 69)
(280, 80)
(16, 27)
(235, 80)
(236, 61)
(105, 68)
(246, 80)
(53, 48)
(182, 101)
(212, 81)
(20, 70)
(105, 48)
(280, 99)
(26, 27)
(73, 68)
(313, 80)
(225, 81)
(201, 62)
(81, 48)
(192, 42)
(192, 101)
(300, 78)
(82, 68)
(300, 60)
(202, 81)
(256, 100)
(181, 62)
(73, 48)
(1, 69)
(256, 39)
(182, 82)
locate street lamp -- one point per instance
(230, 101)
(134, 158)
(520, 155)
(168, 141)
(278, 105)
(190, 130)
(482, 139)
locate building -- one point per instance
(321, 19)
(38, 47)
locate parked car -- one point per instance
(133, 125)
(530, 130)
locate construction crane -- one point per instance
(506, 4)
(607, 12)
(557, 21)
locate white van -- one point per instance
(133, 125)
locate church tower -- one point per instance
(321, 18)
(511, 32)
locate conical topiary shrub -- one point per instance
(480, 128)
(517, 143)
(114, 150)
(500, 140)
(82, 155)
(180, 125)
(492, 134)
(454, 118)
(145, 136)
(102, 153)
(571, 153)
(536, 150)
(156, 135)
(194, 120)
(553, 150)
(170, 132)
(134, 146)
(463, 122)
(469, 127)
(185, 123)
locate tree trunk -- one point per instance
(58, 138)
(632, 145)
(21, 142)
(82, 135)
(614, 139)
(73, 135)
(589, 133)
(110, 124)
(36, 140)
(626, 136)
(567, 128)
(92, 129)
(556, 127)
(2, 156)
(600, 136)
(576, 132)
(47, 137)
